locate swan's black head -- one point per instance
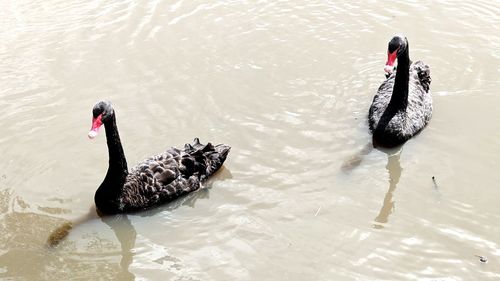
(397, 46)
(101, 113)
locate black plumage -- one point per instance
(402, 106)
(158, 179)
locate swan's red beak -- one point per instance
(96, 124)
(391, 58)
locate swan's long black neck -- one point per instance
(117, 161)
(399, 98)
(111, 187)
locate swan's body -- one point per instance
(402, 106)
(158, 179)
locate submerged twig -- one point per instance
(59, 234)
(62, 231)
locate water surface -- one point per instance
(288, 86)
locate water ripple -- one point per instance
(287, 85)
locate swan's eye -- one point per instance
(393, 49)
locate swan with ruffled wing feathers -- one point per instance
(158, 179)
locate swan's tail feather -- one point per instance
(208, 158)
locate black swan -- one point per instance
(156, 180)
(403, 103)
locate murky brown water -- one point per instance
(288, 86)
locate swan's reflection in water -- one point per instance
(394, 168)
(126, 233)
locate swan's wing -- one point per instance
(171, 174)
(419, 110)
(380, 101)
(423, 74)
(152, 180)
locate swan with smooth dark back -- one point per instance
(402, 106)
(158, 179)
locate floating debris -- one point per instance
(482, 259)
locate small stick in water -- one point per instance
(317, 212)
(434, 181)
